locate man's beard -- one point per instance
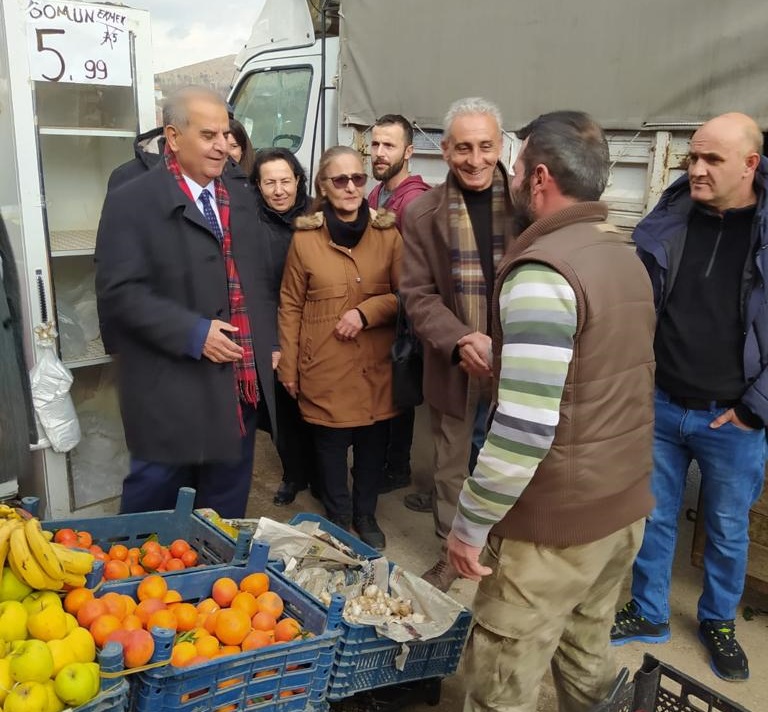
(522, 215)
(392, 170)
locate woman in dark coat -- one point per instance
(281, 185)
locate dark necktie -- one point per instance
(210, 216)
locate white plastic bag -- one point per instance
(51, 381)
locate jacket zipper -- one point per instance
(714, 250)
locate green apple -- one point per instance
(13, 621)
(27, 697)
(77, 683)
(48, 624)
(32, 662)
(11, 588)
(37, 600)
(54, 703)
(6, 681)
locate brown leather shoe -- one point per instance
(441, 575)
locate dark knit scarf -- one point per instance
(347, 234)
(246, 382)
(466, 268)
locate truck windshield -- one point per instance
(272, 106)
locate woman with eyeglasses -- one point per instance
(336, 321)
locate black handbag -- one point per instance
(407, 363)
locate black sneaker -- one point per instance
(630, 627)
(369, 532)
(727, 658)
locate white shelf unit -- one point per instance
(64, 140)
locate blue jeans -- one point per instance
(732, 464)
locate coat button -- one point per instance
(357, 279)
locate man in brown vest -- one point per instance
(562, 483)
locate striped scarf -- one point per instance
(466, 268)
(246, 382)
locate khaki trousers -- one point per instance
(452, 439)
(545, 606)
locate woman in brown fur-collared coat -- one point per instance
(336, 321)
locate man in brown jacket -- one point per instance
(455, 236)
(562, 484)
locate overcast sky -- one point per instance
(188, 31)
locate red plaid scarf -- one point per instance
(246, 383)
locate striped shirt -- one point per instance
(537, 307)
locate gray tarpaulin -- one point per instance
(627, 63)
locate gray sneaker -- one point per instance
(441, 575)
(418, 502)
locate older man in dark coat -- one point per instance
(185, 295)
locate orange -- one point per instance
(134, 554)
(186, 616)
(189, 558)
(172, 596)
(116, 569)
(245, 602)
(150, 545)
(257, 639)
(76, 598)
(183, 653)
(174, 565)
(152, 586)
(118, 551)
(137, 648)
(132, 622)
(270, 602)
(102, 626)
(224, 590)
(207, 645)
(263, 621)
(232, 625)
(90, 611)
(147, 607)
(207, 605)
(210, 622)
(84, 540)
(162, 618)
(287, 629)
(178, 547)
(256, 584)
(115, 604)
(137, 570)
(229, 650)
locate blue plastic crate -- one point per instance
(364, 660)
(252, 680)
(213, 546)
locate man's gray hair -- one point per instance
(470, 105)
(175, 107)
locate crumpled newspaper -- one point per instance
(322, 565)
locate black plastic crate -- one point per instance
(658, 687)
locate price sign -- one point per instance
(74, 42)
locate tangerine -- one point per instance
(207, 645)
(137, 570)
(256, 584)
(116, 604)
(116, 569)
(178, 547)
(66, 536)
(130, 604)
(270, 602)
(183, 653)
(147, 607)
(162, 618)
(210, 622)
(263, 621)
(207, 605)
(245, 602)
(152, 586)
(189, 558)
(174, 565)
(76, 598)
(134, 554)
(186, 616)
(172, 596)
(287, 629)
(84, 540)
(118, 551)
(257, 639)
(137, 648)
(132, 622)
(232, 625)
(224, 590)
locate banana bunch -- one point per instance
(39, 562)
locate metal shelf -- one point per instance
(66, 243)
(78, 131)
(93, 356)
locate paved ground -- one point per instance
(412, 544)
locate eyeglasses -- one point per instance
(358, 180)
